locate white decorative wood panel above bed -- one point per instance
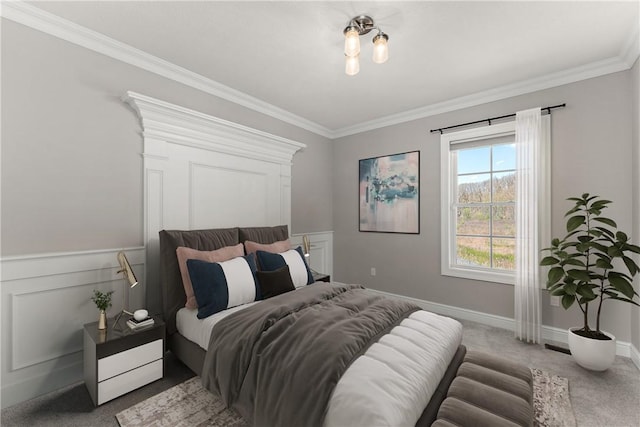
(204, 172)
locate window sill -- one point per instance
(482, 275)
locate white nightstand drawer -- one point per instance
(129, 381)
(128, 360)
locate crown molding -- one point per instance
(572, 75)
(179, 125)
(48, 23)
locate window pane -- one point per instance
(474, 160)
(504, 254)
(504, 187)
(474, 188)
(504, 157)
(473, 251)
(504, 221)
(473, 221)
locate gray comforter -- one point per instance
(278, 361)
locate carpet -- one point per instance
(188, 404)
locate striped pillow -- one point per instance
(219, 255)
(300, 273)
(221, 285)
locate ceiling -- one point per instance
(290, 54)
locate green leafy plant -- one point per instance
(592, 263)
(102, 300)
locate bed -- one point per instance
(324, 396)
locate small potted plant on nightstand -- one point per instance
(103, 302)
(590, 265)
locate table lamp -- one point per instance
(130, 279)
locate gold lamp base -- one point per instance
(117, 321)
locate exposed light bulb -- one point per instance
(380, 48)
(351, 41)
(352, 65)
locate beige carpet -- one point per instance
(188, 404)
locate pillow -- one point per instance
(219, 255)
(277, 247)
(299, 270)
(275, 282)
(221, 285)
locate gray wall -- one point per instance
(596, 126)
(635, 77)
(72, 180)
(71, 163)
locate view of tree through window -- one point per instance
(485, 206)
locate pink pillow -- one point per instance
(219, 255)
(274, 248)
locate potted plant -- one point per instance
(590, 265)
(103, 302)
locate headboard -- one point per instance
(173, 295)
(202, 172)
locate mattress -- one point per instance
(199, 330)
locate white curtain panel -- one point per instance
(529, 179)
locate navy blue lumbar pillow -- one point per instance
(294, 258)
(221, 285)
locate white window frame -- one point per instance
(448, 192)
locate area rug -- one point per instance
(551, 403)
(188, 404)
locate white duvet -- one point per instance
(390, 384)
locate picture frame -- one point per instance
(389, 193)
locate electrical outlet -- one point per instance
(373, 271)
(555, 301)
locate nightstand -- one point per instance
(321, 277)
(117, 362)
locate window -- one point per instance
(478, 203)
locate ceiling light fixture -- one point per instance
(358, 26)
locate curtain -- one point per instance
(529, 192)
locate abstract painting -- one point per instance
(390, 193)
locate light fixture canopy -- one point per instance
(358, 26)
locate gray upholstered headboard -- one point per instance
(173, 296)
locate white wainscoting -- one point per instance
(45, 303)
(321, 253)
(549, 333)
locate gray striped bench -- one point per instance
(488, 391)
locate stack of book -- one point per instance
(137, 324)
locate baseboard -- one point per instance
(549, 333)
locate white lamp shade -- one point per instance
(352, 66)
(380, 50)
(351, 42)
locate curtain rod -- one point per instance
(489, 120)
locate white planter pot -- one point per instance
(596, 355)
